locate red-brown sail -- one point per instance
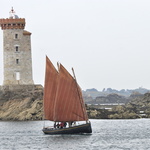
(68, 103)
(50, 87)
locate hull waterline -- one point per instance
(84, 128)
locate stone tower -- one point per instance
(17, 58)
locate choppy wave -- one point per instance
(107, 135)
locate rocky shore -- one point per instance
(21, 103)
(137, 107)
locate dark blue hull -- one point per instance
(84, 128)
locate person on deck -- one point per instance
(65, 124)
(61, 124)
(55, 125)
(58, 125)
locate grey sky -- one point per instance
(106, 41)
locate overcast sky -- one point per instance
(106, 41)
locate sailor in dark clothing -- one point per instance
(55, 125)
(58, 125)
(65, 124)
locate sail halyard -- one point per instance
(68, 105)
(50, 87)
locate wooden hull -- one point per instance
(84, 128)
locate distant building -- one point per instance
(17, 59)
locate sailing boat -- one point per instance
(63, 102)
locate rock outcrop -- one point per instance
(22, 102)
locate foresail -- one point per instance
(50, 87)
(69, 104)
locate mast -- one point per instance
(58, 66)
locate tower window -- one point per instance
(16, 48)
(17, 75)
(17, 61)
(16, 36)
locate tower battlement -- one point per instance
(10, 23)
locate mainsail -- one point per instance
(50, 87)
(69, 103)
(62, 96)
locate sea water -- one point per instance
(107, 135)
